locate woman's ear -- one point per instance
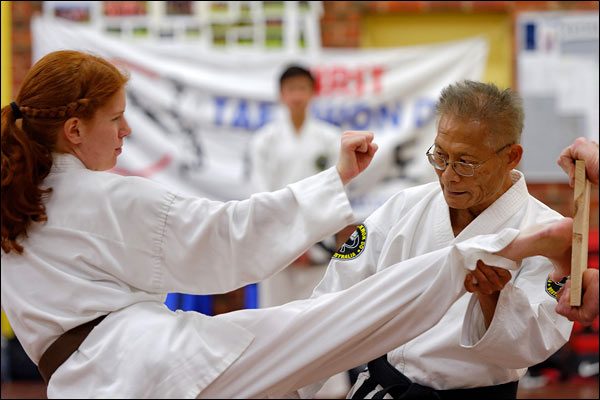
(71, 130)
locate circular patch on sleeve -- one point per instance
(354, 246)
(552, 287)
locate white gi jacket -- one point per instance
(118, 245)
(280, 156)
(458, 352)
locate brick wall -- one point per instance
(22, 11)
(559, 196)
(340, 25)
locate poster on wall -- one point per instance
(193, 111)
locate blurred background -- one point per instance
(204, 80)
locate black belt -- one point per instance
(397, 385)
(64, 347)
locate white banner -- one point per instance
(194, 111)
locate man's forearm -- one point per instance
(488, 303)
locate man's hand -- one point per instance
(588, 311)
(581, 149)
(486, 280)
(357, 151)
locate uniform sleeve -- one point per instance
(213, 247)
(525, 329)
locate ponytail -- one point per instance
(25, 164)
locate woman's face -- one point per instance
(102, 136)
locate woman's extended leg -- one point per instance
(308, 340)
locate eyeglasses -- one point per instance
(461, 168)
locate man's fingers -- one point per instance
(469, 284)
(563, 307)
(504, 275)
(566, 162)
(490, 279)
(493, 275)
(483, 284)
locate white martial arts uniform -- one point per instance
(525, 329)
(117, 245)
(280, 156)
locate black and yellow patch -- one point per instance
(354, 246)
(552, 287)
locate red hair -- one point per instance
(61, 85)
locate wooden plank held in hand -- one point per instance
(581, 225)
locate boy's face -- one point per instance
(296, 93)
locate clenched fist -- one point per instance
(357, 151)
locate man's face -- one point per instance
(467, 141)
(296, 93)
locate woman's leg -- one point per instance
(550, 240)
(308, 340)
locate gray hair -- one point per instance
(501, 111)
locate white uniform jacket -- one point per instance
(458, 352)
(280, 156)
(118, 245)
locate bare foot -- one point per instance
(550, 240)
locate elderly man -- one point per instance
(487, 339)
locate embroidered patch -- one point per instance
(354, 245)
(552, 287)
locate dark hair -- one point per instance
(61, 85)
(295, 70)
(500, 110)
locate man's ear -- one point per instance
(71, 130)
(514, 155)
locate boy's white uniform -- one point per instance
(280, 156)
(525, 329)
(117, 245)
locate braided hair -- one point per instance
(61, 85)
